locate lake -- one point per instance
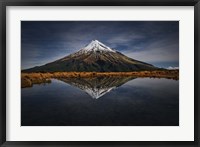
(105, 101)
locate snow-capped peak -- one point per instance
(95, 45)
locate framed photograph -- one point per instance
(82, 73)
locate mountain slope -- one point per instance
(95, 57)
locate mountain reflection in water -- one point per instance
(96, 87)
(136, 102)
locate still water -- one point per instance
(105, 101)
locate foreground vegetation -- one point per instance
(28, 79)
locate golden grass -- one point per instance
(28, 79)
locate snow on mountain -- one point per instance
(97, 92)
(95, 45)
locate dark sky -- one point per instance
(154, 42)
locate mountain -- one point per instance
(95, 57)
(96, 87)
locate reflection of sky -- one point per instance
(153, 87)
(154, 42)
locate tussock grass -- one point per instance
(28, 79)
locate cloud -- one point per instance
(165, 50)
(124, 38)
(172, 68)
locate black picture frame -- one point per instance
(5, 3)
